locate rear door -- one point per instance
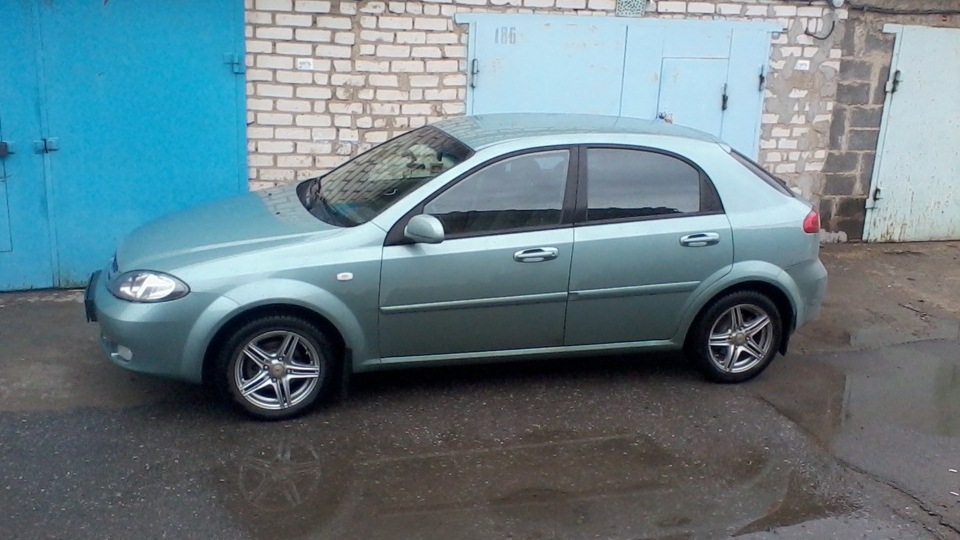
(650, 229)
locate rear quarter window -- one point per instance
(763, 174)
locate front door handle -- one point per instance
(536, 255)
(700, 239)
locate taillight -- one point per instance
(811, 223)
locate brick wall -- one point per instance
(380, 68)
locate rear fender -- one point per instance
(741, 273)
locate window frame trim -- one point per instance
(395, 235)
(708, 192)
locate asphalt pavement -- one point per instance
(854, 434)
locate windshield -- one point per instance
(361, 188)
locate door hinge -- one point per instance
(724, 99)
(893, 83)
(474, 72)
(763, 78)
(236, 62)
(44, 146)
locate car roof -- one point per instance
(487, 130)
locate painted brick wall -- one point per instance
(380, 68)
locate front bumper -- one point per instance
(166, 339)
(89, 308)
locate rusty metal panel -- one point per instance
(915, 189)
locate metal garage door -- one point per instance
(115, 112)
(704, 74)
(915, 192)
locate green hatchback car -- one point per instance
(473, 239)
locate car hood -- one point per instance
(238, 224)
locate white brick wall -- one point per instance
(383, 67)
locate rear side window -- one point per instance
(630, 183)
(762, 173)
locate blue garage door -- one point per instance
(118, 112)
(704, 74)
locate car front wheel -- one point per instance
(737, 337)
(276, 367)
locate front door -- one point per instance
(498, 282)
(653, 232)
(915, 194)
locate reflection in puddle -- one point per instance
(611, 486)
(279, 478)
(280, 487)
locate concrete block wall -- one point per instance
(327, 79)
(866, 56)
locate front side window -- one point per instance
(626, 183)
(361, 188)
(521, 192)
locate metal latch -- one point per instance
(474, 72)
(236, 62)
(894, 83)
(6, 148)
(44, 146)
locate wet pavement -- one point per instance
(618, 449)
(831, 443)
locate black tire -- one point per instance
(748, 348)
(279, 385)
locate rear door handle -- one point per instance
(536, 255)
(700, 239)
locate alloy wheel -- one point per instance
(741, 338)
(277, 370)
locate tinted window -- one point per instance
(635, 183)
(516, 193)
(762, 173)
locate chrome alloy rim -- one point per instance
(277, 370)
(740, 338)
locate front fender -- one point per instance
(357, 336)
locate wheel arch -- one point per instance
(330, 331)
(336, 319)
(775, 291)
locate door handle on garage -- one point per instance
(536, 255)
(700, 239)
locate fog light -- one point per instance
(125, 353)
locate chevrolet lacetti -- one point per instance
(472, 239)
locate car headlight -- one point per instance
(147, 286)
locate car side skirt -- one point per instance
(519, 354)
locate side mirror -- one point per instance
(424, 229)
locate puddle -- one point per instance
(883, 387)
(923, 396)
(615, 486)
(893, 413)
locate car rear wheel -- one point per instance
(736, 337)
(276, 367)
